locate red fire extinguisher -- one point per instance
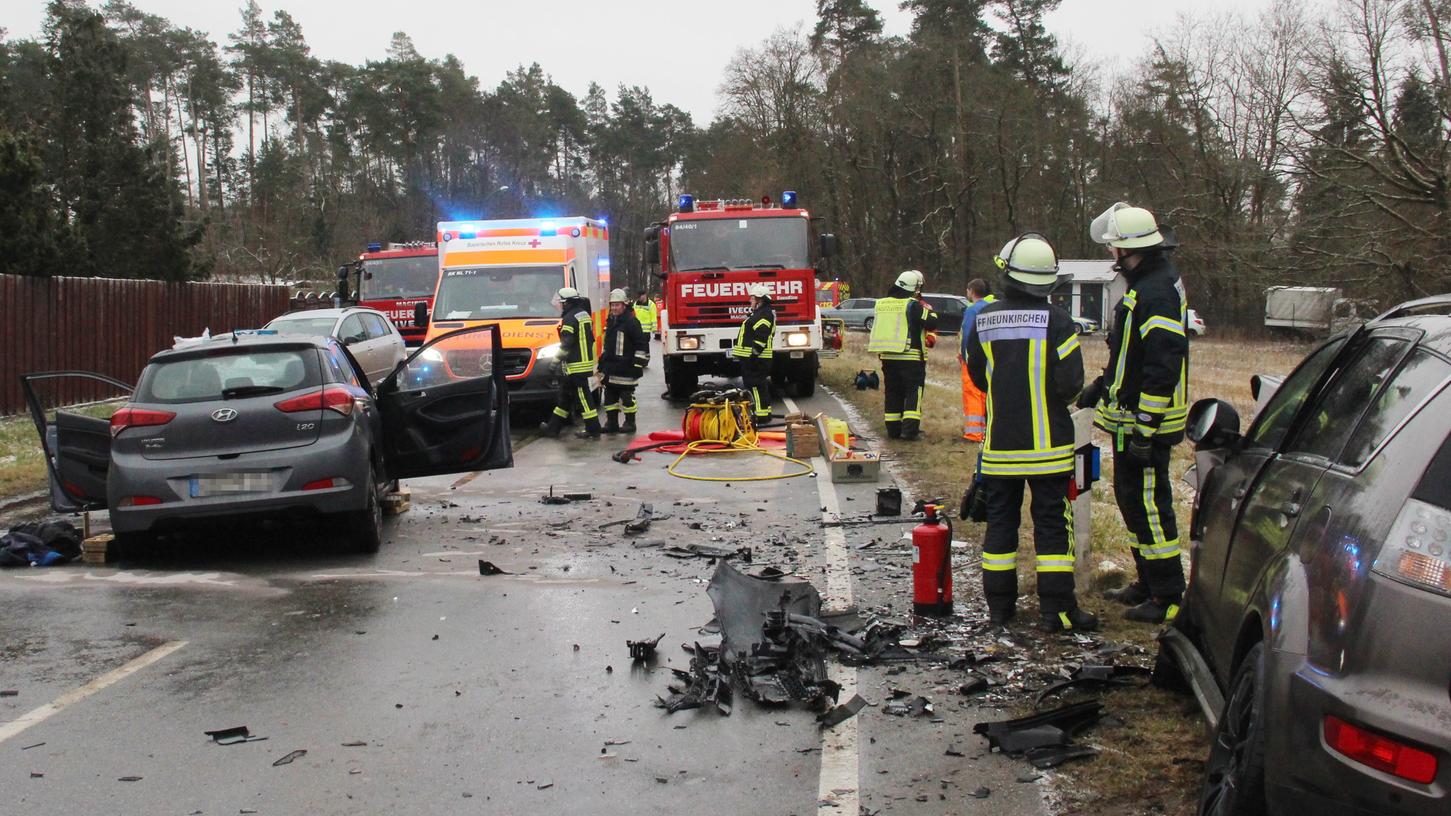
(932, 565)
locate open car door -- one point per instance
(76, 444)
(445, 408)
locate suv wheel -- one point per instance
(867, 324)
(1234, 774)
(365, 527)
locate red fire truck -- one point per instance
(707, 254)
(394, 280)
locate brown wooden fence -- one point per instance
(111, 326)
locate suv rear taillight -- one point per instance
(331, 398)
(129, 417)
(1381, 753)
(1418, 549)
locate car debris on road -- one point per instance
(232, 736)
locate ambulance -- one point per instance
(507, 272)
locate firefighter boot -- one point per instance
(1131, 595)
(1073, 620)
(612, 422)
(591, 429)
(552, 428)
(1154, 611)
(1001, 615)
(629, 424)
(911, 430)
(894, 429)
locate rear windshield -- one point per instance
(1435, 486)
(227, 375)
(304, 326)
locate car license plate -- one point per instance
(202, 486)
(796, 355)
(690, 358)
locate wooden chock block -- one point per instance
(94, 550)
(398, 502)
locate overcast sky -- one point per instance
(676, 49)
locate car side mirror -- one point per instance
(829, 245)
(420, 315)
(1212, 423)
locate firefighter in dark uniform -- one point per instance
(1142, 401)
(900, 323)
(577, 361)
(622, 362)
(1023, 352)
(753, 349)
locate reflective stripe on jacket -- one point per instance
(577, 339)
(757, 335)
(1146, 383)
(1024, 353)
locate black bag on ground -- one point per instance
(61, 536)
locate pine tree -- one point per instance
(126, 211)
(34, 230)
(842, 25)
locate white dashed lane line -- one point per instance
(110, 678)
(839, 782)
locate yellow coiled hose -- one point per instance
(726, 427)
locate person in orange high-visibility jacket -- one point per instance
(974, 401)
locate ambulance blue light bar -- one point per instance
(788, 200)
(548, 228)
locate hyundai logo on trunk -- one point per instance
(224, 414)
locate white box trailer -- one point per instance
(1306, 308)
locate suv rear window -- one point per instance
(232, 373)
(1435, 486)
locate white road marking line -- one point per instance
(838, 786)
(110, 678)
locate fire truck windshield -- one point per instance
(498, 292)
(398, 277)
(740, 243)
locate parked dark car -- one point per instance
(1316, 631)
(263, 426)
(949, 309)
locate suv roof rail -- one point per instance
(1435, 304)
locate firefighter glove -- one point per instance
(1091, 394)
(1140, 448)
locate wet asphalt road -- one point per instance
(415, 685)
